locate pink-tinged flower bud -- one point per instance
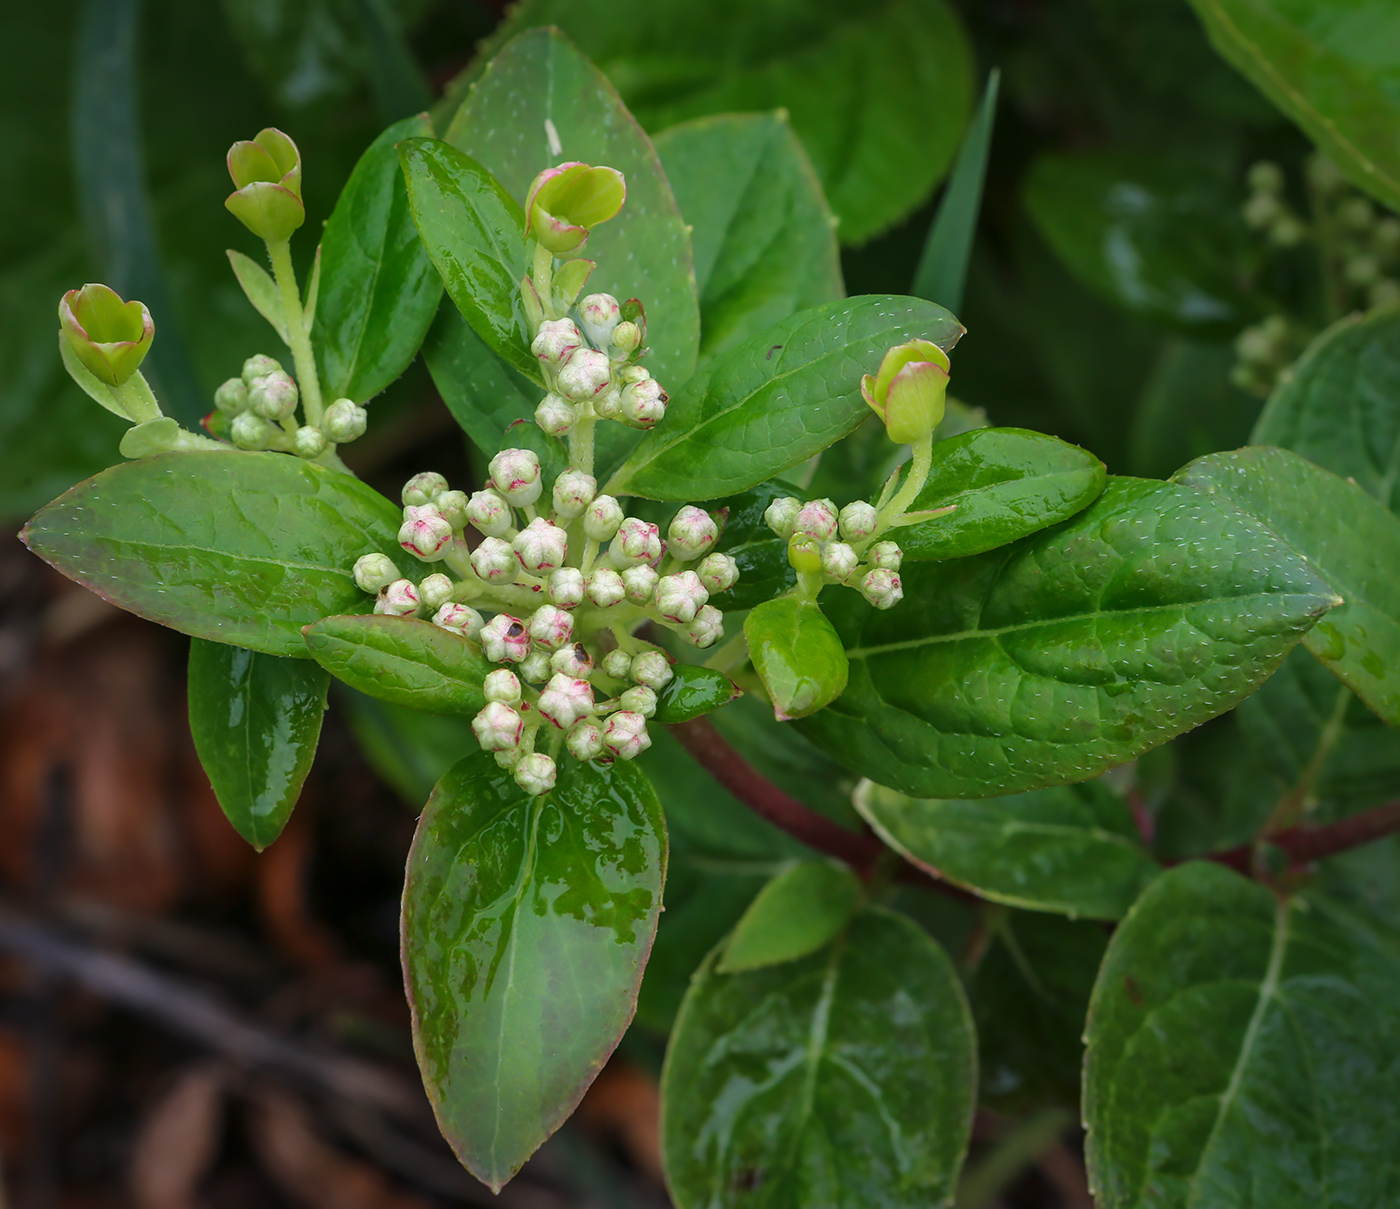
(489, 514)
(718, 572)
(555, 415)
(636, 541)
(600, 315)
(374, 571)
(398, 599)
(308, 442)
(508, 758)
(882, 588)
(267, 182)
(625, 735)
(573, 660)
(608, 405)
(816, 518)
(565, 202)
(108, 336)
(639, 583)
(585, 739)
(909, 391)
(626, 336)
(586, 376)
(550, 627)
(344, 420)
(565, 700)
(565, 588)
(858, 521)
(504, 639)
(707, 628)
(605, 588)
(535, 773)
(435, 591)
(618, 664)
(535, 667)
(460, 619)
(643, 405)
(634, 373)
(423, 488)
(259, 365)
(639, 700)
(453, 505)
(498, 727)
(494, 561)
(501, 685)
(679, 597)
(425, 533)
(651, 668)
(602, 518)
(249, 431)
(885, 555)
(541, 547)
(573, 492)
(515, 473)
(232, 397)
(781, 515)
(838, 560)
(693, 531)
(556, 341)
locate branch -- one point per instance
(1306, 844)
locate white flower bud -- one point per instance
(858, 521)
(618, 664)
(585, 739)
(565, 588)
(707, 628)
(308, 442)
(555, 415)
(586, 375)
(816, 518)
(489, 514)
(651, 668)
(608, 405)
(508, 758)
(259, 366)
(398, 599)
(535, 773)
(639, 700)
(374, 571)
(882, 588)
(781, 515)
(425, 533)
(602, 518)
(502, 685)
(718, 572)
(573, 660)
(838, 560)
(453, 505)
(515, 473)
(885, 555)
(639, 583)
(573, 492)
(541, 547)
(600, 315)
(634, 373)
(494, 561)
(250, 431)
(679, 597)
(636, 541)
(535, 667)
(435, 591)
(556, 341)
(423, 488)
(232, 396)
(626, 336)
(565, 700)
(498, 727)
(693, 531)
(344, 420)
(625, 735)
(459, 619)
(643, 404)
(552, 628)
(504, 639)
(605, 588)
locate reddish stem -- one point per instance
(1306, 844)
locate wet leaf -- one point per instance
(798, 912)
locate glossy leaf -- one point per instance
(260, 290)
(799, 911)
(378, 290)
(1073, 849)
(1242, 1050)
(403, 661)
(776, 399)
(1332, 68)
(1349, 538)
(693, 691)
(474, 232)
(845, 1078)
(1003, 483)
(256, 721)
(539, 82)
(526, 925)
(797, 654)
(243, 548)
(1069, 652)
(763, 236)
(764, 570)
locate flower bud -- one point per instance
(566, 201)
(259, 365)
(602, 518)
(816, 518)
(565, 588)
(501, 685)
(489, 514)
(374, 571)
(573, 492)
(460, 619)
(885, 555)
(1287, 231)
(535, 773)
(110, 337)
(1261, 210)
(605, 588)
(626, 336)
(274, 396)
(718, 572)
(535, 667)
(585, 739)
(804, 554)
(565, 700)
(425, 533)
(573, 660)
(344, 420)
(308, 442)
(1356, 213)
(882, 588)
(909, 391)
(436, 591)
(586, 376)
(639, 700)
(556, 341)
(781, 515)
(692, 532)
(639, 583)
(632, 374)
(508, 758)
(707, 628)
(453, 505)
(267, 182)
(232, 396)
(858, 521)
(504, 639)
(653, 669)
(600, 315)
(398, 599)
(636, 541)
(679, 597)
(555, 415)
(540, 546)
(515, 473)
(625, 734)
(838, 560)
(249, 431)
(423, 488)
(1361, 269)
(494, 561)
(608, 405)
(498, 727)
(1265, 177)
(643, 404)
(552, 628)
(618, 664)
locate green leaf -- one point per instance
(242, 548)
(403, 661)
(526, 925)
(845, 1078)
(1072, 849)
(540, 82)
(1242, 1050)
(693, 691)
(1003, 483)
(475, 235)
(1069, 652)
(942, 270)
(1333, 68)
(378, 290)
(409, 749)
(797, 654)
(261, 291)
(764, 570)
(1351, 540)
(776, 399)
(256, 720)
(763, 236)
(798, 912)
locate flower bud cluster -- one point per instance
(838, 546)
(590, 373)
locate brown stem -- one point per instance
(1306, 844)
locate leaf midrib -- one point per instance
(140, 546)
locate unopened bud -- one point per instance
(651, 668)
(816, 518)
(639, 700)
(573, 492)
(250, 431)
(885, 555)
(909, 392)
(565, 700)
(693, 531)
(636, 541)
(555, 415)
(858, 521)
(374, 571)
(516, 475)
(460, 619)
(679, 597)
(453, 505)
(108, 336)
(1261, 210)
(573, 660)
(625, 734)
(550, 627)
(556, 341)
(605, 588)
(600, 315)
(498, 727)
(425, 533)
(266, 175)
(398, 599)
(435, 591)
(308, 442)
(273, 397)
(626, 336)
(259, 365)
(232, 396)
(489, 514)
(501, 685)
(423, 488)
(608, 405)
(541, 547)
(565, 588)
(1265, 177)
(707, 628)
(586, 375)
(618, 664)
(602, 518)
(643, 405)
(344, 420)
(634, 373)
(804, 554)
(639, 583)
(504, 639)
(882, 588)
(838, 560)
(585, 739)
(535, 773)
(494, 561)
(781, 515)
(535, 667)
(564, 202)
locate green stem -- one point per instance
(919, 467)
(581, 444)
(544, 279)
(280, 253)
(1297, 801)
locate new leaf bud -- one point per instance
(909, 391)
(498, 727)
(504, 639)
(516, 475)
(374, 571)
(110, 337)
(266, 175)
(564, 202)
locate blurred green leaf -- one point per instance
(799, 911)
